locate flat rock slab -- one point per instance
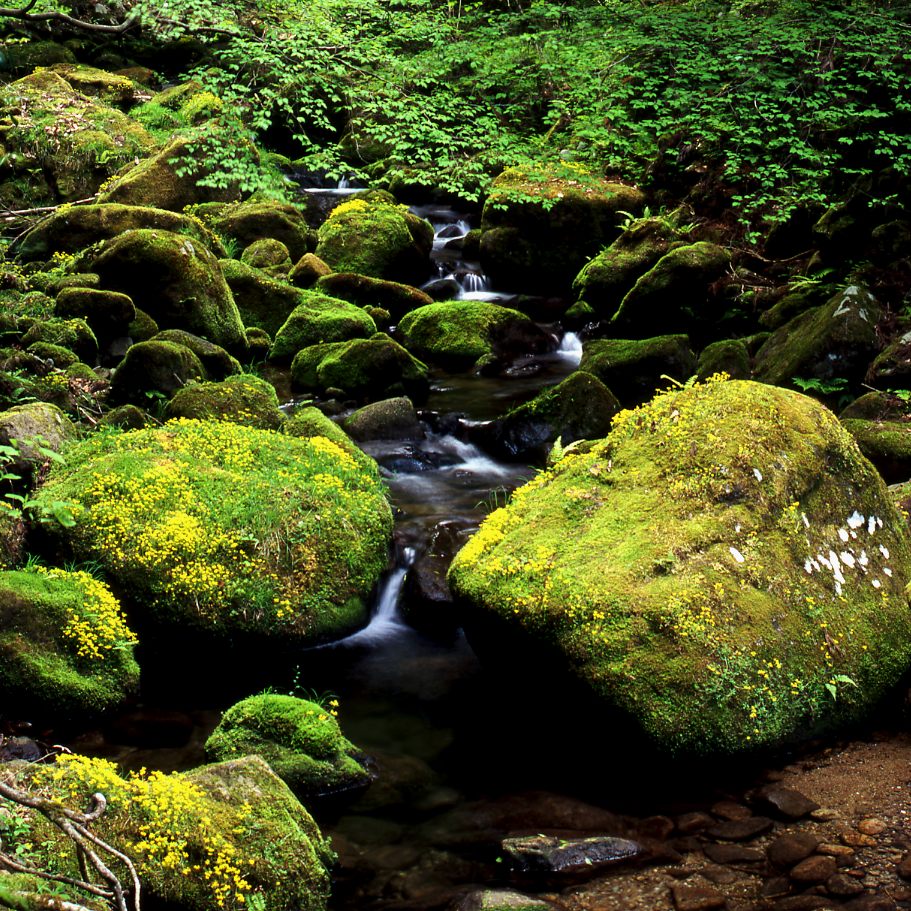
(786, 801)
(502, 900)
(550, 855)
(697, 898)
(733, 854)
(741, 829)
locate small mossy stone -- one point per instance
(36, 426)
(154, 369)
(581, 407)
(390, 419)
(143, 328)
(73, 333)
(683, 558)
(258, 344)
(836, 340)
(217, 363)
(55, 354)
(728, 356)
(634, 369)
(307, 271)
(156, 181)
(243, 399)
(280, 539)
(892, 368)
(251, 221)
(318, 319)
(267, 253)
(308, 421)
(74, 228)
(25, 57)
(108, 313)
(65, 648)
(300, 740)
(174, 279)
(263, 302)
(365, 369)
(458, 334)
(397, 299)
(126, 417)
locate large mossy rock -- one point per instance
(396, 298)
(223, 529)
(366, 369)
(152, 370)
(59, 144)
(73, 228)
(376, 238)
(34, 426)
(169, 179)
(262, 301)
(539, 229)
(881, 424)
(251, 221)
(606, 279)
(835, 341)
(216, 362)
(108, 313)
(579, 408)
(243, 399)
(175, 280)
(317, 319)
(65, 648)
(300, 740)
(458, 334)
(634, 369)
(892, 368)
(717, 569)
(222, 836)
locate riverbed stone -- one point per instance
(697, 898)
(390, 419)
(540, 225)
(459, 334)
(300, 740)
(834, 341)
(174, 279)
(786, 801)
(675, 557)
(791, 848)
(65, 648)
(549, 855)
(634, 369)
(502, 900)
(220, 530)
(814, 869)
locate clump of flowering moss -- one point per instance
(228, 528)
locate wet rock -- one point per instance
(777, 885)
(786, 801)
(814, 869)
(569, 857)
(741, 829)
(733, 854)
(697, 898)
(501, 900)
(871, 902)
(904, 867)
(694, 822)
(858, 839)
(838, 851)
(803, 903)
(791, 848)
(21, 748)
(843, 885)
(657, 827)
(390, 419)
(872, 826)
(728, 810)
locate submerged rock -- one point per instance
(300, 740)
(725, 568)
(227, 530)
(569, 857)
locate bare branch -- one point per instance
(23, 14)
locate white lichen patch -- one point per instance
(737, 555)
(843, 534)
(855, 520)
(884, 551)
(758, 474)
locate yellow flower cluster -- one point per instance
(97, 626)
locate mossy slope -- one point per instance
(712, 568)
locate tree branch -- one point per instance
(23, 13)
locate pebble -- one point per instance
(741, 829)
(803, 903)
(857, 839)
(904, 867)
(842, 885)
(791, 848)
(871, 826)
(825, 814)
(835, 850)
(688, 823)
(815, 869)
(697, 898)
(733, 854)
(659, 827)
(777, 885)
(786, 801)
(729, 810)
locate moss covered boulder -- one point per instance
(224, 529)
(64, 144)
(308, 421)
(216, 362)
(892, 368)
(308, 270)
(175, 280)
(107, 313)
(458, 334)
(222, 836)
(730, 356)
(579, 408)
(539, 227)
(725, 568)
(675, 293)
(251, 221)
(634, 369)
(606, 279)
(366, 369)
(72, 228)
(269, 255)
(154, 370)
(74, 334)
(835, 341)
(881, 424)
(169, 179)
(316, 319)
(243, 399)
(65, 648)
(396, 298)
(262, 301)
(300, 740)
(374, 237)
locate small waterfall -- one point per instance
(343, 184)
(473, 284)
(570, 348)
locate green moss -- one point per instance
(227, 529)
(73, 334)
(216, 362)
(262, 302)
(243, 399)
(253, 220)
(729, 356)
(89, 80)
(311, 422)
(65, 650)
(268, 253)
(154, 369)
(300, 740)
(679, 569)
(394, 297)
(57, 355)
(318, 319)
(887, 444)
